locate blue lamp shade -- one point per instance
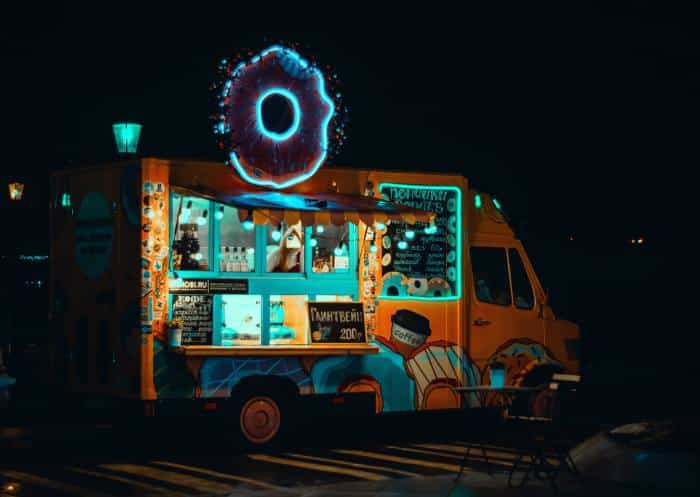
(126, 136)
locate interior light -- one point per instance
(178, 281)
(202, 220)
(314, 242)
(477, 201)
(403, 245)
(197, 257)
(410, 234)
(431, 229)
(338, 251)
(276, 234)
(219, 214)
(320, 229)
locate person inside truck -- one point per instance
(483, 292)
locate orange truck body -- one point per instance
(110, 300)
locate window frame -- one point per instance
(260, 282)
(527, 277)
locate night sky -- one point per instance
(580, 118)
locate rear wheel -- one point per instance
(260, 419)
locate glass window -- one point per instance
(289, 319)
(236, 241)
(490, 275)
(191, 240)
(333, 298)
(285, 248)
(522, 290)
(240, 320)
(330, 249)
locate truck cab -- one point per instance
(510, 322)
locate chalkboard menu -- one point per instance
(196, 314)
(419, 261)
(337, 322)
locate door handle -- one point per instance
(481, 322)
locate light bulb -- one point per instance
(276, 234)
(201, 220)
(338, 251)
(410, 234)
(248, 225)
(314, 242)
(197, 256)
(320, 229)
(373, 248)
(403, 245)
(219, 214)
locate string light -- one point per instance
(202, 220)
(219, 214)
(248, 224)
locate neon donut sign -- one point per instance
(283, 156)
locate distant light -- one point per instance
(633, 241)
(640, 240)
(65, 200)
(126, 136)
(496, 203)
(410, 234)
(403, 245)
(477, 201)
(571, 238)
(16, 191)
(320, 229)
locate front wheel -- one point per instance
(260, 419)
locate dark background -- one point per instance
(581, 119)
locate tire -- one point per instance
(264, 418)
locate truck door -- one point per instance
(503, 304)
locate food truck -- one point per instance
(367, 284)
(255, 285)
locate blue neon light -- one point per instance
(323, 144)
(296, 119)
(433, 229)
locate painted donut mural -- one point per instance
(279, 117)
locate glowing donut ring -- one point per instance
(269, 158)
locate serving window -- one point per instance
(257, 279)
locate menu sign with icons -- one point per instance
(196, 314)
(419, 261)
(337, 322)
